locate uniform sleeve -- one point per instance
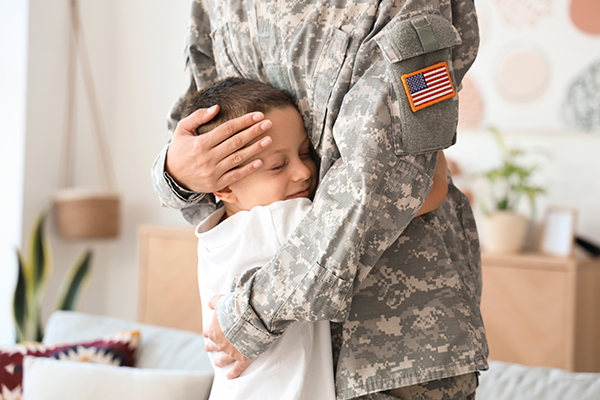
(362, 205)
(201, 70)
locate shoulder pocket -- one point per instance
(418, 52)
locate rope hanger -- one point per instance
(78, 52)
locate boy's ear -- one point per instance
(226, 195)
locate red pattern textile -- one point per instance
(119, 349)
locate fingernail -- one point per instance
(257, 117)
(265, 125)
(257, 164)
(211, 109)
(266, 141)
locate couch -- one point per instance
(165, 350)
(171, 364)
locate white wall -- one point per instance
(13, 46)
(136, 52)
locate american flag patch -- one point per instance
(428, 86)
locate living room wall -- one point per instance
(136, 51)
(13, 81)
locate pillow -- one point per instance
(48, 379)
(118, 349)
(164, 348)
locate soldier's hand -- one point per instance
(220, 343)
(211, 161)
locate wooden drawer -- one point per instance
(542, 311)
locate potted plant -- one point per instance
(510, 183)
(34, 272)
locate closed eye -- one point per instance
(278, 166)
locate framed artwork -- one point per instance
(558, 231)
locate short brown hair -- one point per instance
(236, 97)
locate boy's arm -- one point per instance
(439, 190)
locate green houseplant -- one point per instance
(34, 272)
(510, 183)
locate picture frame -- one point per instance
(558, 231)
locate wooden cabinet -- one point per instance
(168, 292)
(542, 311)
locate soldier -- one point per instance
(376, 83)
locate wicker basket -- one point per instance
(87, 214)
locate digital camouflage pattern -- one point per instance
(407, 306)
(460, 387)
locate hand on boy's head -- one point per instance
(220, 343)
(214, 160)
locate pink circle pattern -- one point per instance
(523, 13)
(471, 105)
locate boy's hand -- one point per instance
(210, 162)
(220, 343)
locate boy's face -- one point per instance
(288, 171)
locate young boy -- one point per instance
(259, 213)
(247, 231)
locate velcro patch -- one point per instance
(428, 86)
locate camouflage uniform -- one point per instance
(407, 306)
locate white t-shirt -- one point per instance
(299, 365)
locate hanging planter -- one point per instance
(82, 212)
(87, 213)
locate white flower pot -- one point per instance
(504, 232)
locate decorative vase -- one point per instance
(504, 232)
(87, 213)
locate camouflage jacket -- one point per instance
(404, 292)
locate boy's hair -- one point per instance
(236, 97)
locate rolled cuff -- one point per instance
(171, 194)
(246, 332)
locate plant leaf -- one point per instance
(20, 302)
(75, 281)
(41, 265)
